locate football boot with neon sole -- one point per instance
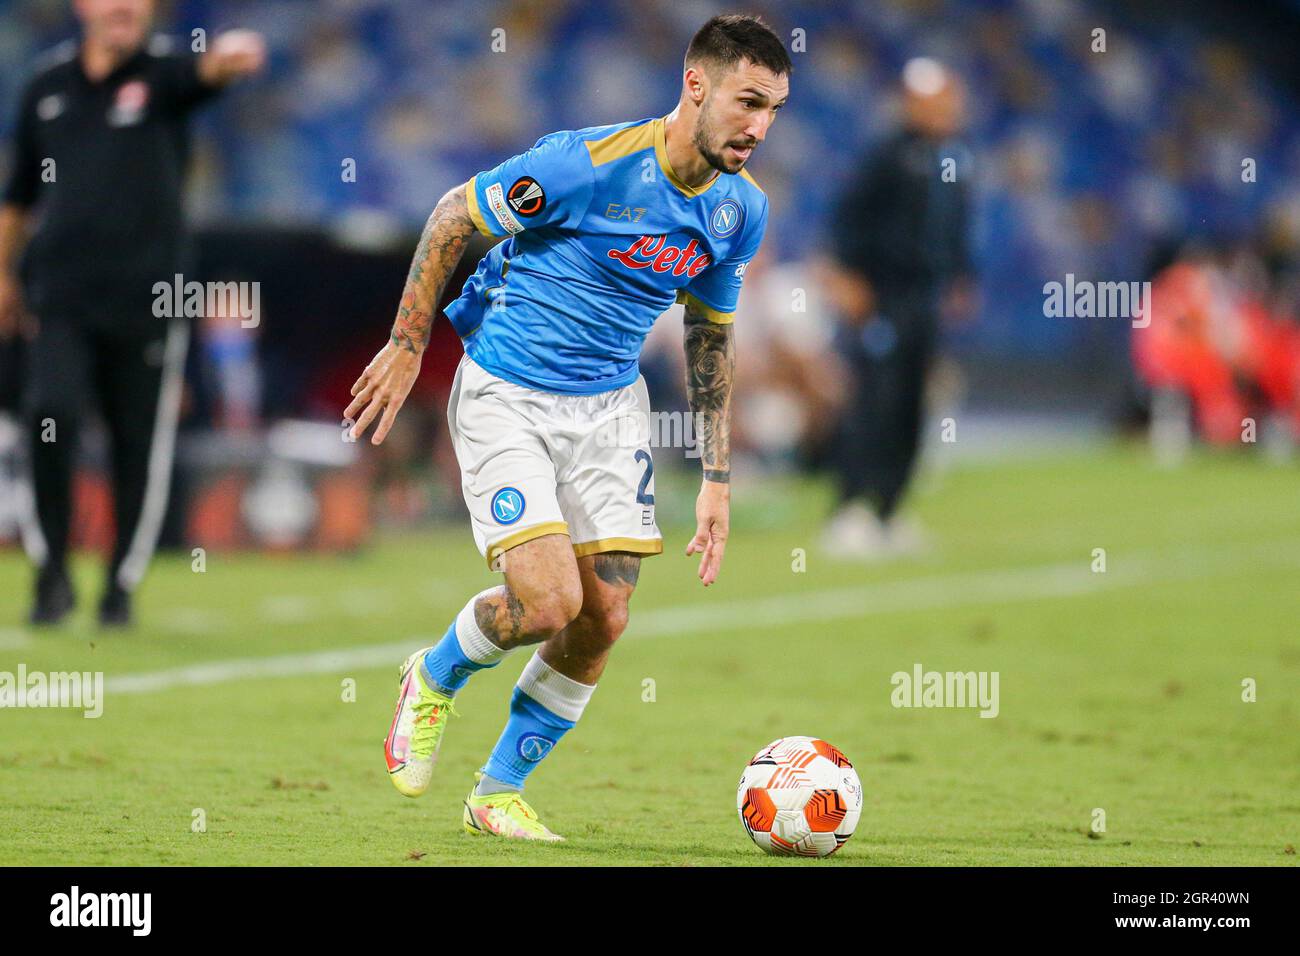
(504, 815)
(411, 748)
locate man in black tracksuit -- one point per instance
(99, 156)
(901, 241)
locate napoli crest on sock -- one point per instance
(462, 672)
(533, 747)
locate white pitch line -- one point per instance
(915, 594)
(12, 638)
(194, 620)
(245, 668)
(971, 588)
(289, 608)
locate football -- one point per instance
(799, 796)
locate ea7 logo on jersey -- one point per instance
(617, 211)
(526, 196)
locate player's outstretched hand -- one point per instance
(712, 521)
(382, 387)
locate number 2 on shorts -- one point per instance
(641, 497)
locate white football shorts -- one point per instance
(534, 463)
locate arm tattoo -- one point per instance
(617, 567)
(710, 369)
(442, 243)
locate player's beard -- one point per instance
(703, 135)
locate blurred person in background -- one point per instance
(228, 352)
(901, 247)
(1221, 355)
(790, 384)
(100, 150)
(790, 393)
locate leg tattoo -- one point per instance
(618, 568)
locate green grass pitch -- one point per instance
(1119, 691)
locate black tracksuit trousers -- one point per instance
(133, 374)
(880, 431)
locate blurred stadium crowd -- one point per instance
(1084, 161)
(1109, 166)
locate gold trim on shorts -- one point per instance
(634, 545)
(498, 548)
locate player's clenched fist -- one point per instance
(382, 387)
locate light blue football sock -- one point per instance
(544, 707)
(531, 733)
(463, 651)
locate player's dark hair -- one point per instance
(725, 41)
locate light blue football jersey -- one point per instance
(603, 238)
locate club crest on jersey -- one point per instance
(726, 219)
(129, 103)
(653, 251)
(508, 505)
(526, 196)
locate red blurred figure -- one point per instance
(1215, 341)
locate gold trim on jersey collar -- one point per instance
(624, 142)
(661, 153)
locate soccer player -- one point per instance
(607, 226)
